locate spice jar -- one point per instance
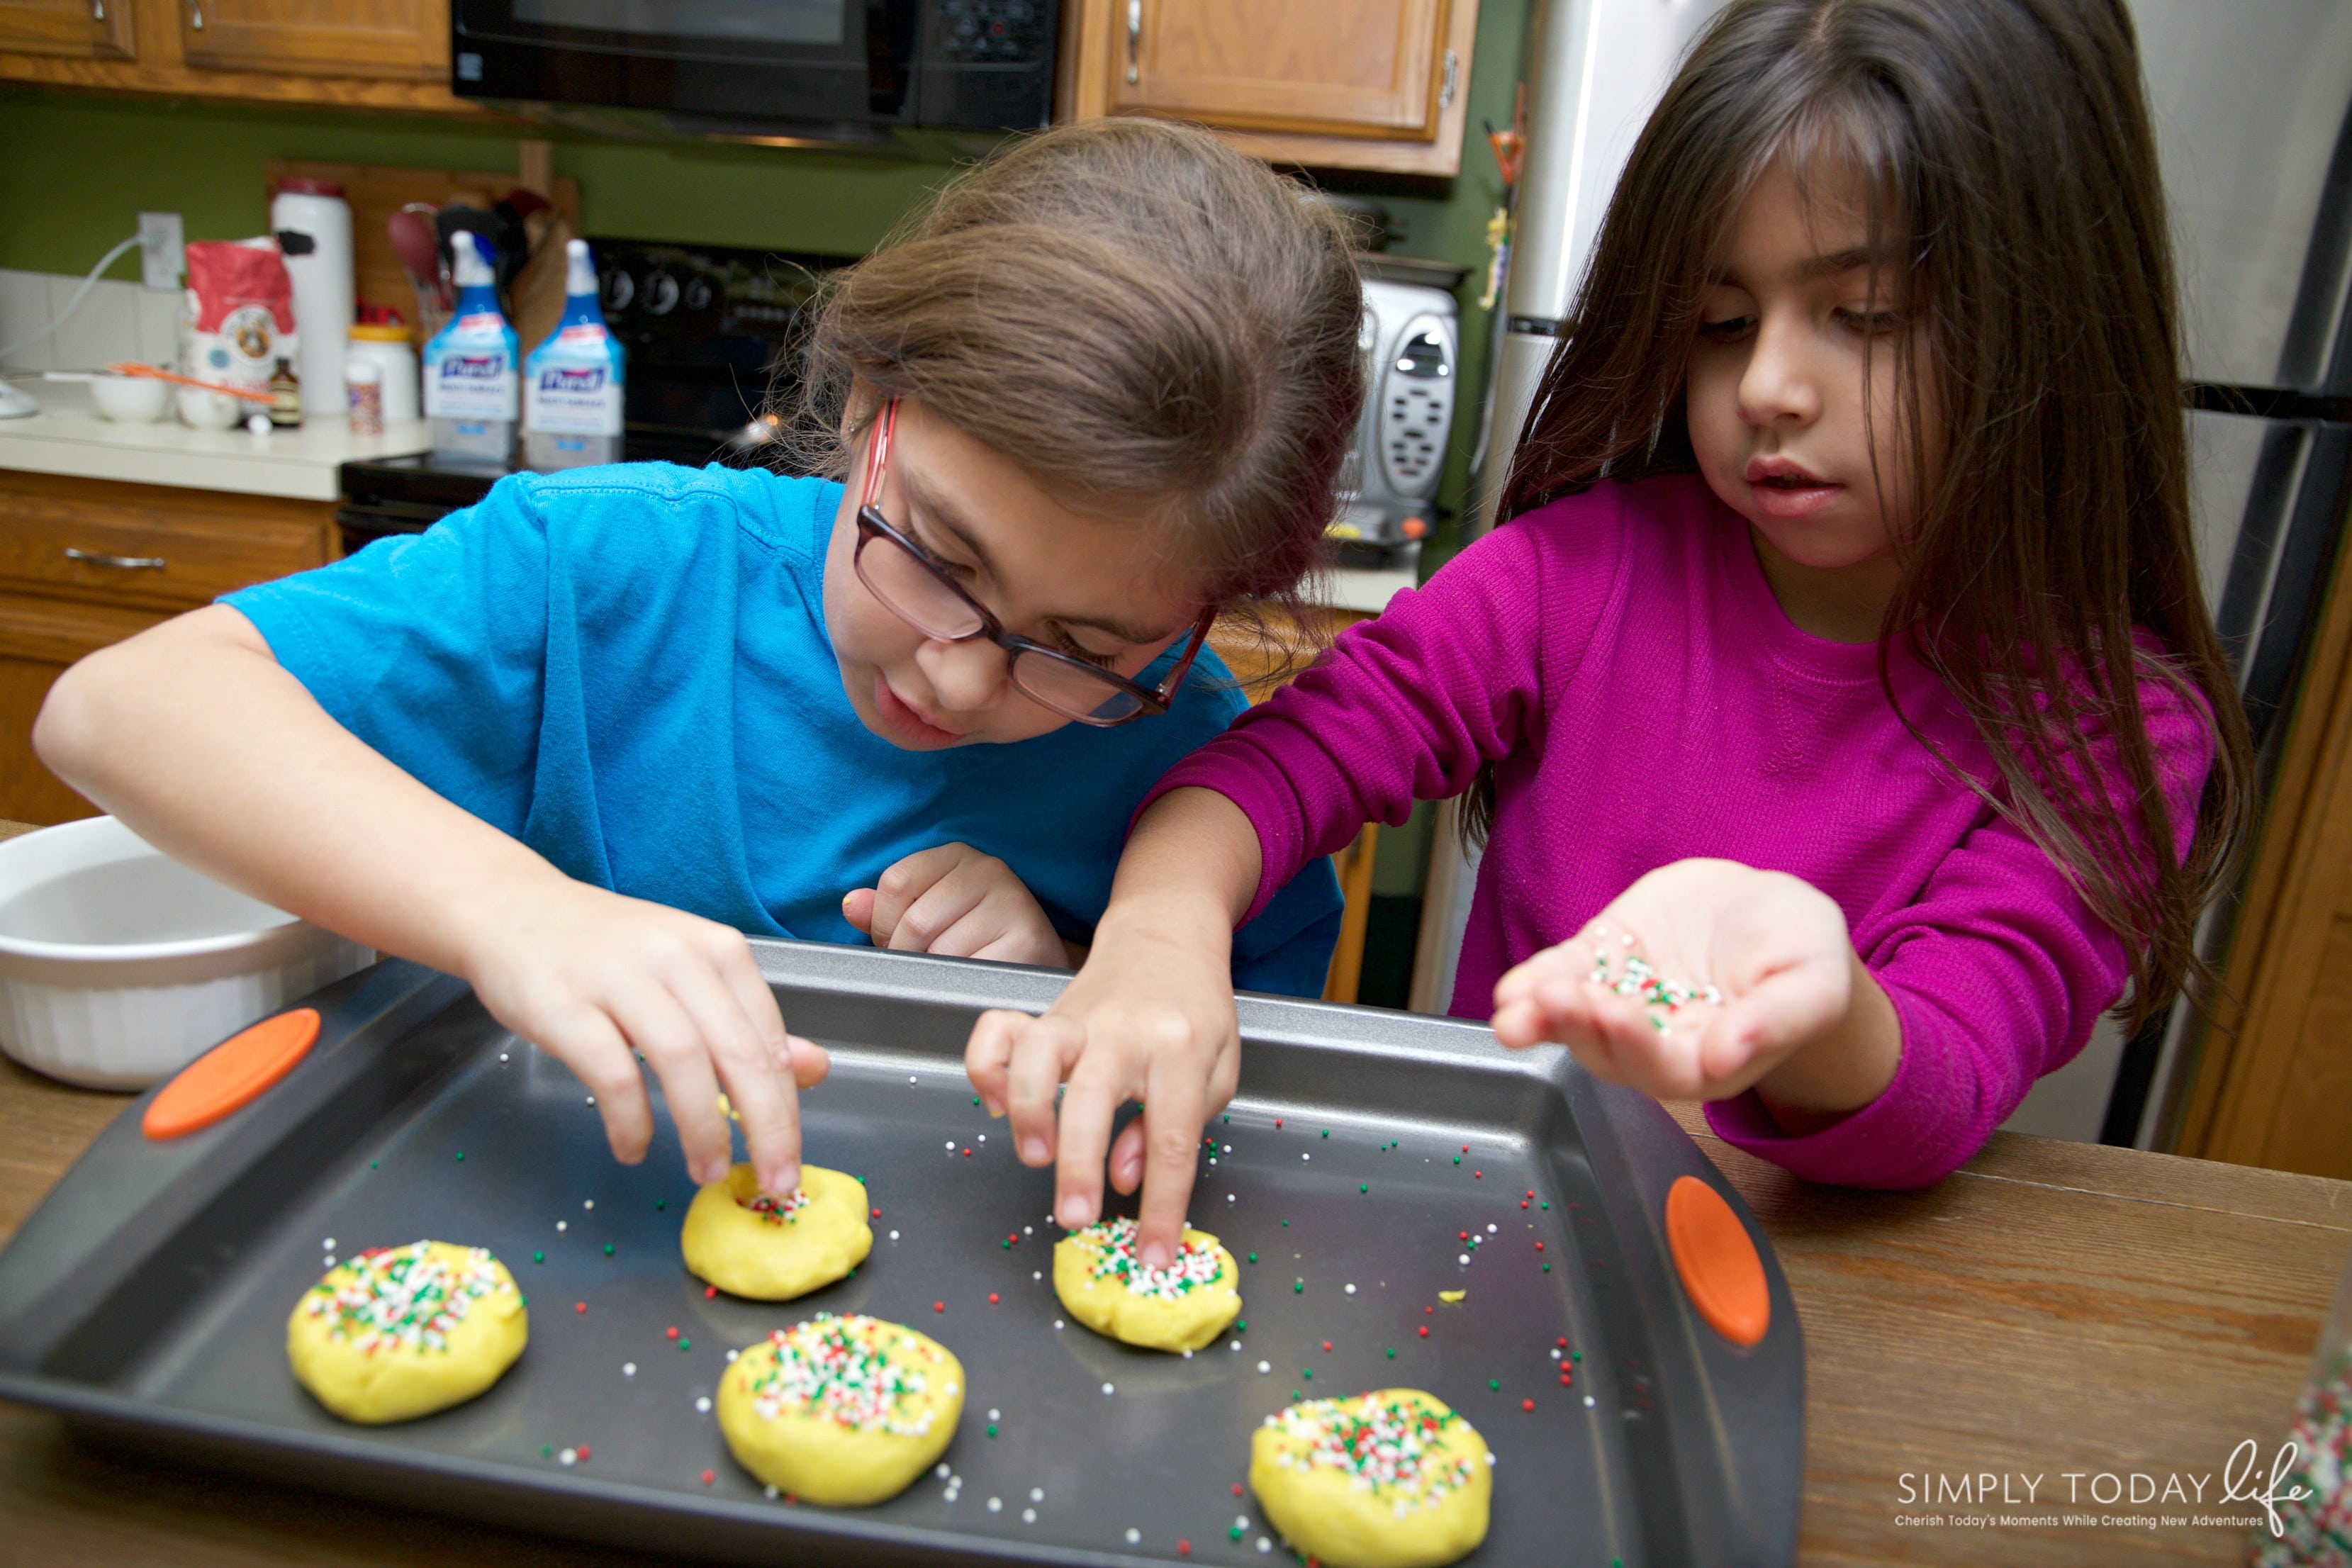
(2314, 1500)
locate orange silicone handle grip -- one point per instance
(231, 1075)
(1717, 1262)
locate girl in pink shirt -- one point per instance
(1839, 704)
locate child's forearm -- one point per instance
(1840, 1069)
(1190, 867)
(196, 736)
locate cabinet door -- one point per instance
(77, 29)
(1367, 69)
(38, 638)
(407, 39)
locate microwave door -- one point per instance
(799, 61)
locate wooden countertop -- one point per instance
(2053, 1308)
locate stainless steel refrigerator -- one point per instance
(2253, 104)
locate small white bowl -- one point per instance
(208, 410)
(131, 399)
(119, 965)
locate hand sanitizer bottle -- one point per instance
(470, 373)
(572, 382)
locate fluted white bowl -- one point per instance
(119, 965)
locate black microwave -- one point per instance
(841, 69)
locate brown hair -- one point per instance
(2006, 149)
(1144, 320)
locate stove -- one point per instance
(707, 327)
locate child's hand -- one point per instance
(1150, 1018)
(960, 903)
(590, 977)
(1707, 978)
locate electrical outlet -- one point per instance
(162, 249)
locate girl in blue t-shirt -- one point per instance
(571, 743)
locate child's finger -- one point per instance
(1087, 1111)
(593, 1048)
(1042, 1054)
(988, 1053)
(857, 908)
(936, 911)
(1127, 1157)
(655, 1024)
(1173, 1112)
(906, 880)
(730, 1006)
(805, 1060)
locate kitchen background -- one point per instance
(2251, 100)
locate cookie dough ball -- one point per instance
(749, 1245)
(1390, 1480)
(1179, 1308)
(402, 1331)
(845, 1410)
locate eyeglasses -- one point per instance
(912, 586)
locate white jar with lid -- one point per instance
(388, 347)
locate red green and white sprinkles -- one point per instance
(1389, 1447)
(1112, 1241)
(856, 1371)
(392, 1298)
(2315, 1503)
(786, 1212)
(1639, 980)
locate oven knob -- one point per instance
(619, 289)
(661, 293)
(698, 294)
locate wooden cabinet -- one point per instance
(368, 54)
(74, 29)
(403, 39)
(2273, 1084)
(85, 562)
(1371, 84)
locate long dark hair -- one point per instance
(2006, 151)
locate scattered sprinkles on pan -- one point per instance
(1642, 981)
(1112, 1242)
(396, 1297)
(826, 1367)
(1385, 1446)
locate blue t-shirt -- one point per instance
(627, 669)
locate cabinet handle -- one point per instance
(120, 563)
(1452, 80)
(1134, 40)
(98, 10)
(197, 14)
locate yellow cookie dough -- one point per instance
(402, 1331)
(1179, 1308)
(845, 1410)
(1388, 1479)
(749, 1245)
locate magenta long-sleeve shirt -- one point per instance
(1619, 657)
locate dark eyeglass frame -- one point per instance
(873, 526)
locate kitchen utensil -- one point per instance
(147, 1298)
(131, 399)
(119, 965)
(313, 225)
(132, 370)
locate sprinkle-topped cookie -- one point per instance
(394, 1297)
(1385, 1444)
(786, 1212)
(858, 1372)
(1112, 1243)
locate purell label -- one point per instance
(470, 380)
(570, 388)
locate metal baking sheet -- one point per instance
(147, 1298)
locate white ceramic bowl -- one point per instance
(119, 965)
(131, 399)
(210, 410)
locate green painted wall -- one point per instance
(78, 170)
